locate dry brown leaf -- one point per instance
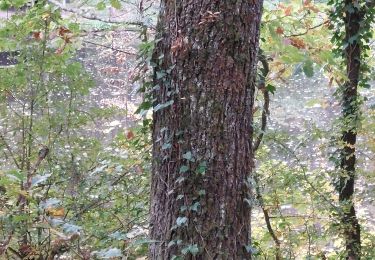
(279, 30)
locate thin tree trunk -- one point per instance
(350, 112)
(205, 67)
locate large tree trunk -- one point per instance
(350, 113)
(205, 65)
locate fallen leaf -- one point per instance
(130, 135)
(288, 11)
(37, 35)
(56, 212)
(279, 30)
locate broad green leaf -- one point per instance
(101, 6)
(308, 68)
(271, 88)
(115, 4)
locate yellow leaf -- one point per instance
(45, 16)
(56, 212)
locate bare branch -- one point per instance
(109, 47)
(307, 30)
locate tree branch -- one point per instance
(109, 47)
(307, 30)
(262, 87)
(92, 16)
(266, 95)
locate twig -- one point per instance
(262, 87)
(109, 47)
(307, 30)
(26, 187)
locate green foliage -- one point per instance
(363, 38)
(93, 197)
(80, 183)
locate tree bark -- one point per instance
(205, 67)
(350, 113)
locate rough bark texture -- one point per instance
(350, 111)
(205, 63)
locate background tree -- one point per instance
(205, 65)
(352, 34)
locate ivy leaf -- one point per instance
(175, 242)
(181, 221)
(251, 250)
(171, 243)
(161, 106)
(160, 74)
(166, 146)
(353, 39)
(195, 206)
(192, 249)
(144, 106)
(271, 88)
(184, 169)
(188, 156)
